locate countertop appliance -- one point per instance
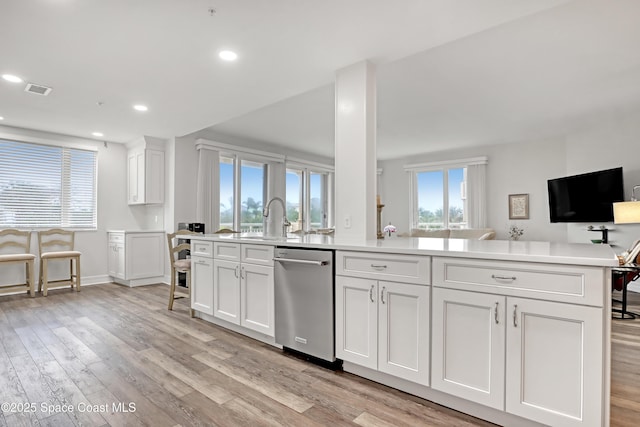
(304, 301)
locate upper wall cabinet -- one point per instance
(145, 172)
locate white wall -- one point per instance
(524, 167)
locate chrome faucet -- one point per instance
(285, 221)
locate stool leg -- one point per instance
(30, 279)
(40, 277)
(44, 279)
(173, 288)
(191, 311)
(77, 274)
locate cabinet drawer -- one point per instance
(116, 237)
(226, 250)
(200, 248)
(257, 254)
(398, 268)
(565, 283)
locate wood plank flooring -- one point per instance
(118, 357)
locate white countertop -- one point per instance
(547, 252)
(135, 231)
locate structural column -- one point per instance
(355, 152)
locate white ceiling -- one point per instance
(450, 73)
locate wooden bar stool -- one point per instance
(178, 242)
(12, 238)
(57, 245)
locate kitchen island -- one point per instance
(512, 332)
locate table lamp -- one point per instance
(627, 212)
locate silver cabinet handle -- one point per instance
(378, 266)
(300, 261)
(371, 293)
(515, 315)
(493, 276)
(495, 313)
(236, 271)
(242, 272)
(382, 294)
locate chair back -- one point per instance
(175, 246)
(226, 231)
(55, 240)
(11, 238)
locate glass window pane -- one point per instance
(457, 198)
(294, 198)
(430, 199)
(251, 196)
(317, 204)
(226, 192)
(45, 186)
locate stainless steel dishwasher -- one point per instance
(304, 301)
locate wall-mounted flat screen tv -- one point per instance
(587, 197)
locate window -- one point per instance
(448, 194)
(227, 203)
(242, 194)
(308, 199)
(44, 186)
(441, 199)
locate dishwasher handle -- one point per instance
(300, 261)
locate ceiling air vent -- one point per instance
(37, 89)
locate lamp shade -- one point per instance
(626, 212)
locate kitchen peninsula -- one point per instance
(512, 332)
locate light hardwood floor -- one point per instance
(111, 345)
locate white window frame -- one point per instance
(66, 218)
(306, 168)
(444, 166)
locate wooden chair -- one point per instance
(179, 265)
(11, 238)
(57, 245)
(226, 231)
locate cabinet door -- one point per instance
(256, 293)
(145, 254)
(154, 176)
(357, 321)
(202, 284)
(554, 362)
(112, 260)
(226, 291)
(468, 345)
(403, 331)
(135, 177)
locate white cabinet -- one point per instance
(116, 261)
(357, 320)
(468, 336)
(136, 257)
(244, 285)
(145, 175)
(540, 360)
(554, 359)
(381, 324)
(226, 291)
(202, 277)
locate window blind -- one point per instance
(44, 186)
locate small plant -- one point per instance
(515, 232)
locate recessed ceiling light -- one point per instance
(228, 55)
(11, 78)
(1, 118)
(98, 134)
(140, 107)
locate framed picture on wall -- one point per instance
(518, 206)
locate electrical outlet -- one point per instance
(347, 221)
